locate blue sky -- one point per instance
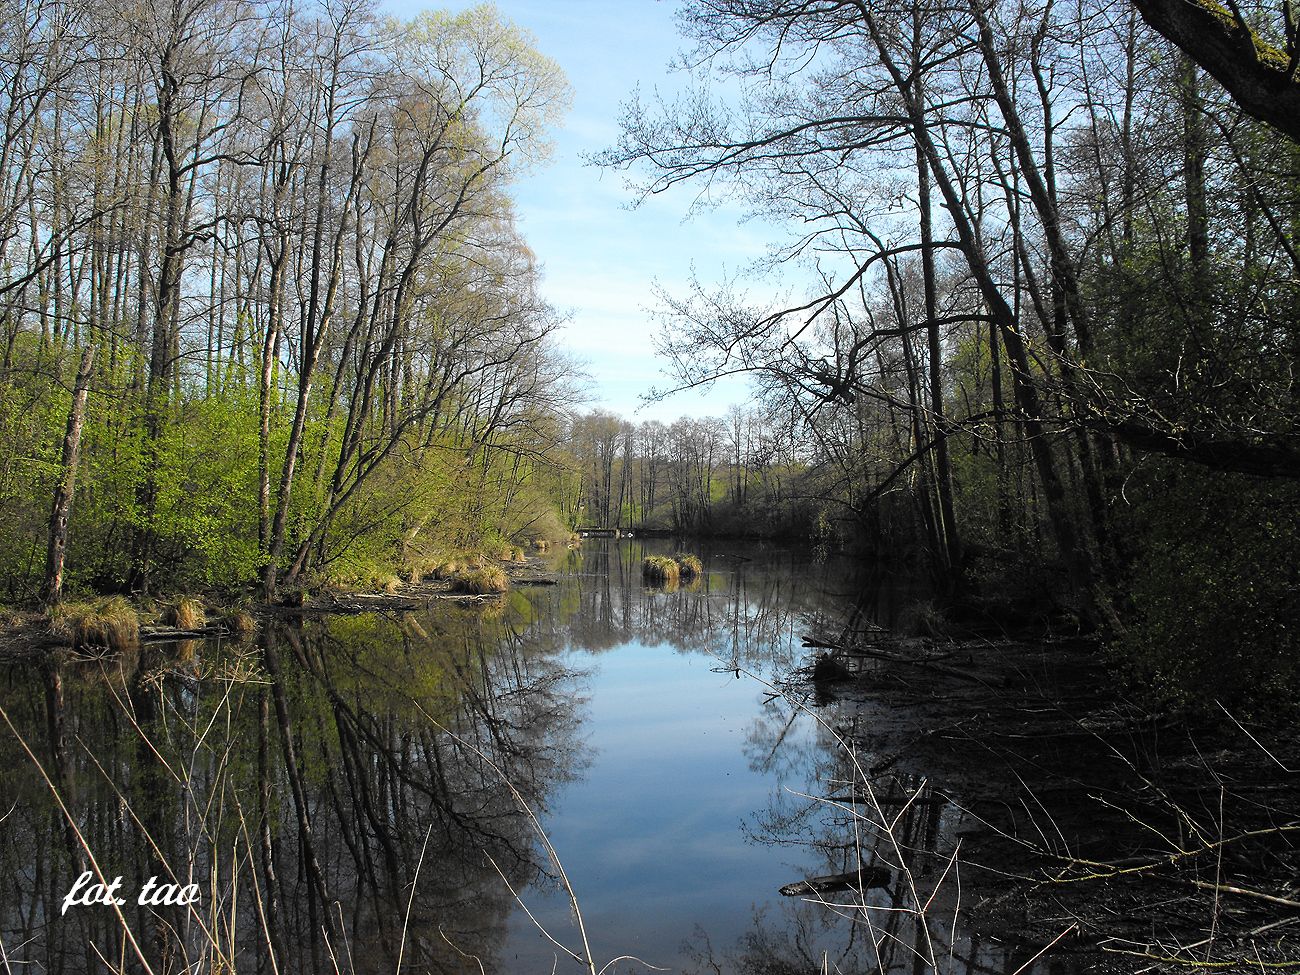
(600, 258)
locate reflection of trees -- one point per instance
(296, 786)
(749, 611)
(892, 829)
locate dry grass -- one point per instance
(541, 545)
(417, 570)
(659, 570)
(187, 613)
(240, 622)
(105, 624)
(691, 567)
(447, 570)
(489, 580)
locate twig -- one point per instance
(1242, 891)
(1043, 950)
(541, 833)
(456, 948)
(1289, 771)
(540, 927)
(410, 901)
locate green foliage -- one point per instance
(32, 416)
(206, 516)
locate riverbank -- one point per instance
(26, 633)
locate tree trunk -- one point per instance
(52, 591)
(943, 467)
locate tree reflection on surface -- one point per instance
(305, 781)
(296, 784)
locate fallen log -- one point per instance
(867, 878)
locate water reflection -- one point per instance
(337, 789)
(301, 785)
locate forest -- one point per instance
(268, 322)
(263, 295)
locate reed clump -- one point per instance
(541, 545)
(691, 567)
(659, 570)
(111, 624)
(449, 569)
(187, 613)
(240, 622)
(486, 581)
(417, 570)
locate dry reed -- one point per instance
(105, 624)
(489, 580)
(659, 570)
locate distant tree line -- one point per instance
(744, 474)
(263, 307)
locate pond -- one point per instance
(383, 792)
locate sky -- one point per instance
(601, 258)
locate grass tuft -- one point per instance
(691, 567)
(106, 624)
(417, 570)
(490, 580)
(186, 614)
(240, 622)
(659, 570)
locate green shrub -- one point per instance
(1215, 587)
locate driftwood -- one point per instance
(150, 634)
(867, 878)
(873, 653)
(889, 801)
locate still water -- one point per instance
(381, 792)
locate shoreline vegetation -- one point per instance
(114, 624)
